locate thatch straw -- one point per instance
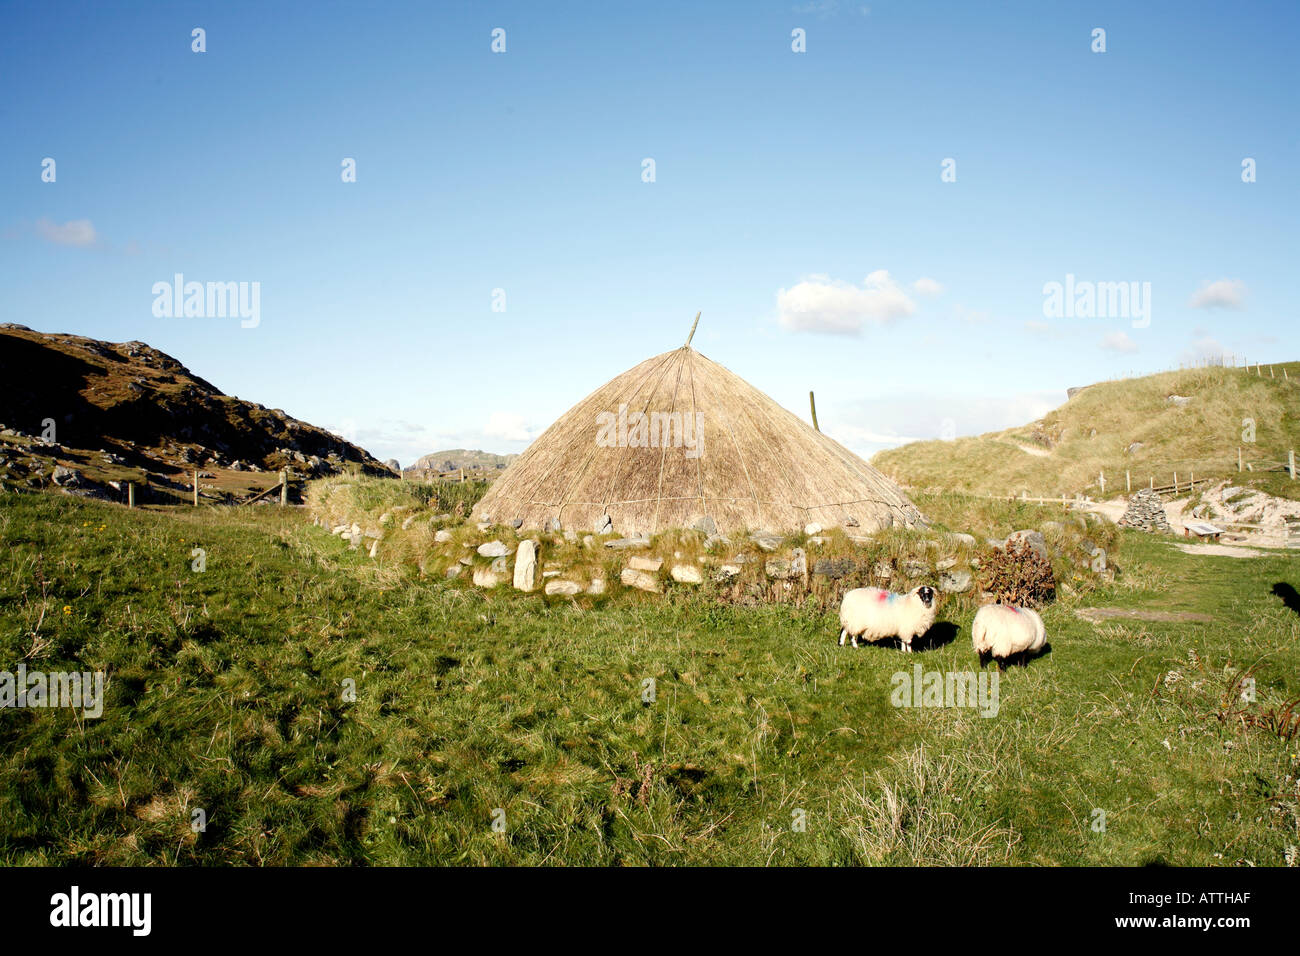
(759, 466)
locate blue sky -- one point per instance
(797, 202)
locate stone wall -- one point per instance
(757, 568)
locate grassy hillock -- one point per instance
(350, 496)
(1094, 431)
(227, 693)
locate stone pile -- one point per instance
(1146, 512)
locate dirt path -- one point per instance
(1098, 614)
(1036, 452)
(1222, 550)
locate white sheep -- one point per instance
(874, 615)
(1004, 630)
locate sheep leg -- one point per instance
(843, 634)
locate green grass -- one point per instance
(226, 693)
(356, 494)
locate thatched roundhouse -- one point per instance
(679, 442)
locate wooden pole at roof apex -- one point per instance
(692, 335)
(812, 402)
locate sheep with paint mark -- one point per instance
(875, 615)
(1004, 631)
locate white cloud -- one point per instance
(855, 436)
(509, 427)
(1202, 349)
(1223, 294)
(822, 304)
(396, 438)
(927, 287)
(1118, 342)
(75, 232)
(406, 440)
(347, 429)
(869, 426)
(970, 316)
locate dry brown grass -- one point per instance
(913, 812)
(1202, 437)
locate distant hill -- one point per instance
(1180, 421)
(146, 411)
(463, 458)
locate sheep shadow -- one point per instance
(940, 634)
(1288, 594)
(1018, 660)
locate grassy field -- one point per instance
(1063, 452)
(227, 693)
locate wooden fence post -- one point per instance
(1175, 482)
(130, 494)
(1152, 485)
(1128, 482)
(196, 487)
(284, 487)
(1238, 458)
(1290, 463)
(1101, 480)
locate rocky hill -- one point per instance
(108, 412)
(1187, 421)
(462, 458)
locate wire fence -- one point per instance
(1173, 480)
(1276, 371)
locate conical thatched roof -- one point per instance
(751, 465)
